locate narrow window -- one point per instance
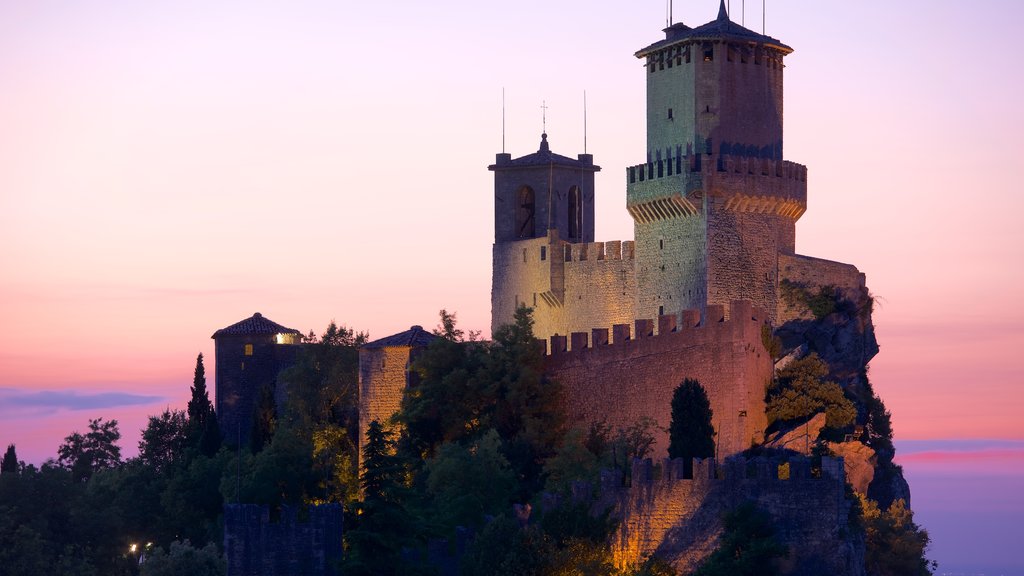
(661, 310)
(524, 254)
(661, 244)
(670, 114)
(575, 214)
(524, 213)
(248, 349)
(543, 253)
(709, 52)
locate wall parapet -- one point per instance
(607, 250)
(713, 163)
(742, 316)
(644, 474)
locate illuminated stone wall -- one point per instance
(813, 273)
(680, 520)
(622, 379)
(383, 376)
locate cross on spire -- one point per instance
(544, 115)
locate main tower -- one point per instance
(714, 204)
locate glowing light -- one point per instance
(133, 548)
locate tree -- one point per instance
(163, 441)
(691, 434)
(447, 329)
(10, 461)
(97, 449)
(383, 523)
(801, 391)
(748, 546)
(199, 406)
(264, 420)
(895, 545)
(466, 482)
(183, 558)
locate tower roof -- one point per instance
(414, 337)
(721, 28)
(544, 157)
(255, 325)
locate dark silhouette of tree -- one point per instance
(748, 546)
(691, 434)
(163, 441)
(10, 461)
(264, 421)
(95, 450)
(200, 409)
(383, 523)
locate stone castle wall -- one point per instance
(382, 381)
(254, 545)
(570, 286)
(680, 519)
(812, 273)
(628, 373)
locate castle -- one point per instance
(714, 207)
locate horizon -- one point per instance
(172, 169)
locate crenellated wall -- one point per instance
(256, 545)
(680, 519)
(625, 372)
(812, 273)
(570, 286)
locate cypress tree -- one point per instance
(10, 461)
(691, 434)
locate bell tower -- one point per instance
(543, 191)
(542, 203)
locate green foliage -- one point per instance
(447, 329)
(567, 541)
(10, 461)
(575, 460)
(772, 343)
(183, 558)
(895, 545)
(200, 409)
(691, 434)
(465, 482)
(264, 420)
(97, 449)
(821, 302)
(383, 525)
(801, 390)
(748, 546)
(468, 388)
(163, 441)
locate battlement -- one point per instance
(591, 251)
(742, 317)
(762, 469)
(715, 163)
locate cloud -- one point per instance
(47, 401)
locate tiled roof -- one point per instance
(253, 326)
(414, 337)
(543, 157)
(718, 29)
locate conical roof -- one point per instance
(414, 337)
(255, 325)
(721, 28)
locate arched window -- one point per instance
(575, 213)
(524, 213)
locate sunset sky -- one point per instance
(170, 168)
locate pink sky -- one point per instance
(169, 168)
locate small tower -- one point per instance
(384, 375)
(714, 204)
(249, 355)
(541, 202)
(543, 191)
